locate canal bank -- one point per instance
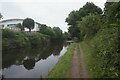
(62, 68)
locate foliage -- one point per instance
(102, 51)
(1, 16)
(105, 46)
(72, 18)
(66, 36)
(36, 39)
(88, 8)
(58, 32)
(19, 25)
(42, 27)
(7, 33)
(113, 15)
(76, 16)
(74, 31)
(89, 25)
(48, 31)
(17, 39)
(28, 23)
(54, 33)
(12, 39)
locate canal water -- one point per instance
(31, 62)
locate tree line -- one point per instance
(100, 30)
(21, 39)
(81, 21)
(53, 33)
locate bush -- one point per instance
(37, 39)
(12, 39)
(7, 33)
(105, 52)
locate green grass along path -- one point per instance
(71, 65)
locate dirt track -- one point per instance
(78, 66)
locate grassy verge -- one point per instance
(62, 68)
(88, 59)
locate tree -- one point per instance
(75, 16)
(1, 16)
(44, 29)
(74, 31)
(89, 25)
(90, 8)
(19, 25)
(113, 13)
(72, 18)
(105, 44)
(66, 36)
(28, 23)
(58, 32)
(54, 33)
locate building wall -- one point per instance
(11, 24)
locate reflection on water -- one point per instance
(31, 63)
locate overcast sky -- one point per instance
(49, 12)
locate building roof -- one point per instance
(16, 20)
(11, 20)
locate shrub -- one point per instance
(105, 52)
(12, 39)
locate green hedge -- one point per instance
(103, 53)
(17, 39)
(106, 52)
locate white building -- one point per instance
(11, 24)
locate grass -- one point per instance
(88, 59)
(78, 53)
(62, 68)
